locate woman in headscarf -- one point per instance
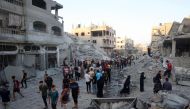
(142, 77)
(126, 86)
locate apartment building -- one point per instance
(175, 45)
(30, 33)
(100, 35)
(162, 31)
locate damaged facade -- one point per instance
(102, 36)
(175, 44)
(124, 46)
(30, 33)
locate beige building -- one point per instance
(176, 44)
(30, 34)
(124, 46)
(100, 35)
(161, 31)
(120, 43)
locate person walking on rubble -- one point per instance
(49, 82)
(16, 87)
(169, 69)
(88, 81)
(157, 82)
(142, 77)
(64, 97)
(75, 92)
(24, 78)
(44, 91)
(100, 83)
(54, 95)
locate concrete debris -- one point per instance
(162, 101)
(83, 50)
(182, 76)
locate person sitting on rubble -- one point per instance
(126, 86)
(167, 86)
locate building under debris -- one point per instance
(175, 44)
(102, 36)
(30, 32)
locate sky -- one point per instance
(131, 18)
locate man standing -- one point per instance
(49, 82)
(16, 87)
(88, 82)
(75, 92)
(43, 88)
(23, 81)
(100, 83)
(169, 69)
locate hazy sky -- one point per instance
(131, 18)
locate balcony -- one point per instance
(13, 6)
(11, 35)
(11, 31)
(44, 38)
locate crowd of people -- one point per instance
(97, 74)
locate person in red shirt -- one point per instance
(169, 69)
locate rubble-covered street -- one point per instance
(144, 64)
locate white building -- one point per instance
(30, 33)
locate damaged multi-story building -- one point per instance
(100, 35)
(30, 33)
(174, 43)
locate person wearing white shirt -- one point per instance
(88, 81)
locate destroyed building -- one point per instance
(30, 32)
(175, 44)
(102, 36)
(160, 32)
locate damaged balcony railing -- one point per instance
(11, 31)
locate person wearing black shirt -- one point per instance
(23, 81)
(5, 95)
(75, 92)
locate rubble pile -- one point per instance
(84, 50)
(172, 100)
(182, 76)
(145, 64)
